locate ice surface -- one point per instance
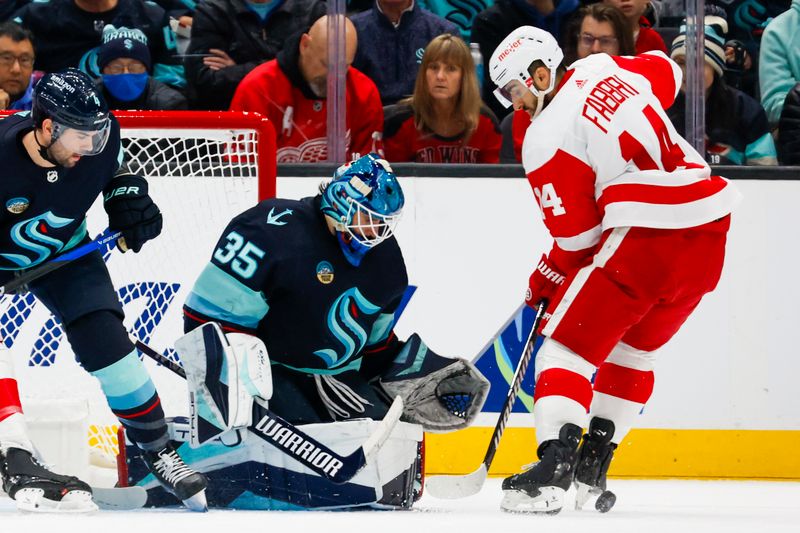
(642, 507)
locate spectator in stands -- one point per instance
(492, 25)
(460, 13)
(69, 32)
(232, 37)
(779, 68)
(444, 121)
(8, 7)
(779, 73)
(596, 28)
(395, 31)
(291, 91)
(16, 67)
(124, 61)
(737, 131)
(789, 129)
(747, 20)
(180, 10)
(645, 38)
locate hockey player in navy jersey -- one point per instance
(57, 159)
(316, 283)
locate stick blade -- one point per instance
(453, 487)
(119, 498)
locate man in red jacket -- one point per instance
(291, 91)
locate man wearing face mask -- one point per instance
(126, 83)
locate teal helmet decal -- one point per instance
(364, 200)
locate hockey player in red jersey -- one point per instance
(639, 227)
(291, 91)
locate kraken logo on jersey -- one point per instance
(346, 328)
(325, 272)
(31, 235)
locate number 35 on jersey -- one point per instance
(242, 254)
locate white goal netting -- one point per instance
(200, 175)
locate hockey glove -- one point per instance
(439, 393)
(131, 210)
(543, 283)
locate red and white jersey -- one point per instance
(603, 154)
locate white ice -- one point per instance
(642, 507)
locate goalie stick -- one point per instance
(452, 487)
(104, 239)
(311, 453)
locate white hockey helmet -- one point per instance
(509, 64)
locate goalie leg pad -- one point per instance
(439, 393)
(224, 374)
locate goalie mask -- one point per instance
(364, 201)
(80, 116)
(510, 63)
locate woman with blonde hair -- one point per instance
(444, 121)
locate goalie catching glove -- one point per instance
(131, 210)
(440, 394)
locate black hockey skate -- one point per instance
(541, 489)
(37, 489)
(177, 478)
(594, 457)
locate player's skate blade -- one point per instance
(549, 500)
(35, 488)
(33, 500)
(177, 478)
(197, 503)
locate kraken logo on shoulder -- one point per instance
(17, 205)
(342, 323)
(325, 272)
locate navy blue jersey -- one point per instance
(278, 273)
(44, 209)
(67, 36)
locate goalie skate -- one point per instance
(36, 489)
(541, 488)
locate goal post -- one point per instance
(202, 168)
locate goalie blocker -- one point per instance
(230, 387)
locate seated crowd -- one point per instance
(415, 88)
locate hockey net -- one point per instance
(202, 169)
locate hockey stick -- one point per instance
(451, 487)
(119, 498)
(57, 262)
(298, 445)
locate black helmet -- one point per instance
(71, 99)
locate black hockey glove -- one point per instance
(131, 210)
